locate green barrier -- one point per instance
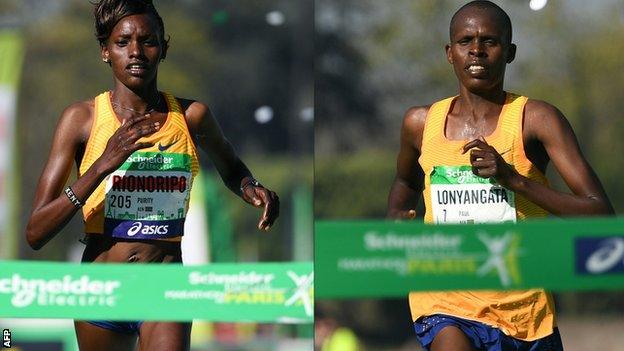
(259, 292)
(389, 259)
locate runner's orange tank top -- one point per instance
(527, 314)
(147, 196)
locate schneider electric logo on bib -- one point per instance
(462, 176)
(67, 291)
(150, 162)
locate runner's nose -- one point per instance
(136, 49)
(477, 48)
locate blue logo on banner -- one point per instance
(599, 255)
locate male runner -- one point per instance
(483, 134)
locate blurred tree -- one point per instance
(346, 110)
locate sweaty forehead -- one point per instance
(475, 17)
(142, 25)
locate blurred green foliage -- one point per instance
(348, 186)
(282, 175)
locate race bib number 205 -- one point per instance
(147, 197)
(460, 196)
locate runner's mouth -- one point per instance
(137, 69)
(476, 69)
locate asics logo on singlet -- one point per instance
(149, 229)
(607, 256)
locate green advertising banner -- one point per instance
(258, 292)
(11, 59)
(389, 259)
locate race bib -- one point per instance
(459, 196)
(147, 197)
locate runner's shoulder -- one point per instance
(542, 118)
(185, 103)
(79, 112)
(191, 105)
(541, 109)
(414, 119)
(194, 111)
(77, 120)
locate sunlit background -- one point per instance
(250, 61)
(375, 59)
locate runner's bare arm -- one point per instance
(552, 129)
(408, 182)
(51, 208)
(207, 134)
(547, 125)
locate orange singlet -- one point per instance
(453, 194)
(147, 196)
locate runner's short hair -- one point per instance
(108, 12)
(490, 6)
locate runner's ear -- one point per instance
(511, 53)
(449, 57)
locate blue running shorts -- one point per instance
(119, 327)
(482, 336)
